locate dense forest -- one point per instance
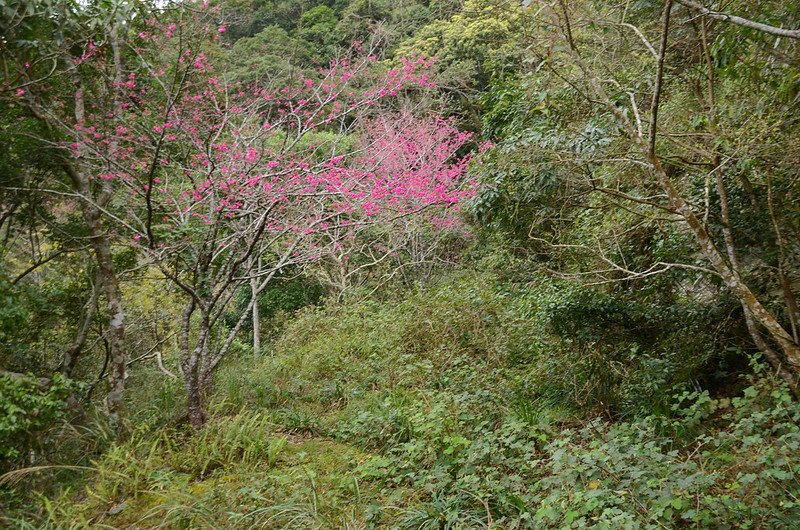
(410, 264)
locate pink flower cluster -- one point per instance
(317, 155)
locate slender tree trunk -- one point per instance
(116, 327)
(769, 353)
(91, 207)
(192, 368)
(792, 310)
(256, 318)
(72, 353)
(101, 245)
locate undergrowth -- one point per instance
(467, 405)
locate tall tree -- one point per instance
(63, 63)
(571, 54)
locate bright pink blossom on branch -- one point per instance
(223, 183)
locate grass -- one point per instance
(242, 471)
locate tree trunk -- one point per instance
(256, 319)
(194, 402)
(116, 328)
(769, 353)
(72, 353)
(101, 245)
(192, 367)
(792, 310)
(91, 207)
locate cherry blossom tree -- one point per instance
(223, 185)
(228, 184)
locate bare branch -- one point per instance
(758, 26)
(662, 52)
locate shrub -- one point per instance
(28, 406)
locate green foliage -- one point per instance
(288, 296)
(28, 407)
(317, 27)
(242, 438)
(565, 183)
(38, 316)
(463, 434)
(493, 397)
(12, 313)
(267, 56)
(624, 475)
(628, 474)
(437, 411)
(483, 37)
(238, 472)
(621, 356)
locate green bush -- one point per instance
(617, 356)
(28, 407)
(459, 392)
(606, 475)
